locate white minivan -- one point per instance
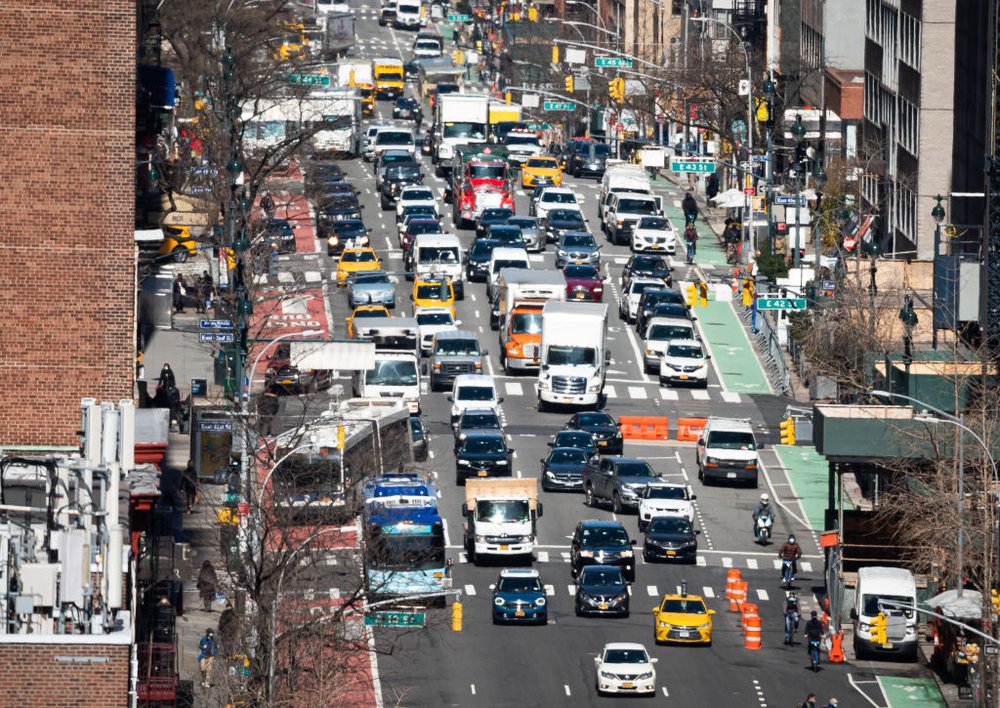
(877, 584)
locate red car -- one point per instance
(583, 283)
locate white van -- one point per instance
(440, 254)
(370, 135)
(408, 15)
(895, 585)
(503, 257)
(622, 178)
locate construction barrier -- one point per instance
(738, 596)
(690, 428)
(753, 634)
(636, 427)
(749, 610)
(836, 653)
(733, 576)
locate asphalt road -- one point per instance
(553, 665)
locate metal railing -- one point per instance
(772, 355)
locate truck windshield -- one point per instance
(463, 130)
(457, 347)
(392, 137)
(571, 356)
(636, 206)
(661, 332)
(499, 511)
(487, 172)
(438, 254)
(407, 551)
(731, 440)
(392, 372)
(526, 323)
(870, 608)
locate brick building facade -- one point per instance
(80, 672)
(67, 125)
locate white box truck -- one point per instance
(501, 517)
(460, 119)
(574, 355)
(362, 72)
(337, 113)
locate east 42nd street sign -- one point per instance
(395, 619)
(781, 303)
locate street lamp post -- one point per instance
(937, 213)
(798, 131)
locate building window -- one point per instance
(676, 7)
(909, 127)
(871, 106)
(909, 40)
(904, 211)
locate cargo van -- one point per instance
(896, 585)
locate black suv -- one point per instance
(670, 538)
(602, 428)
(601, 590)
(477, 259)
(648, 302)
(476, 420)
(643, 265)
(396, 177)
(602, 543)
(482, 454)
(588, 160)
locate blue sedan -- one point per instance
(371, 288)
(563, 468)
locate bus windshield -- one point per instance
(407, 551)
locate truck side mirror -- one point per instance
(538, 514)
(854, 614)
(701, 441)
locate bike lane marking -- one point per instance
(733, 356)
(904, 691)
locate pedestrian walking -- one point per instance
(228, 630)
(809, 702)
(207, 584)
(189, 483)
(712, 187)
(204, 287)
(267, 205)
(268, 407)
(180, 287)
(207, 650)
(167, 379)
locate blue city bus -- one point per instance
(404, 538)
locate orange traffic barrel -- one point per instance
(753, 638)
(749, 610)
(738, 596)
(733, 576)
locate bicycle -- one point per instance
(791, 627)
(814, 654)
(787, 574)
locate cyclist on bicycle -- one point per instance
(814, 635)
(791, 617)
(690, 207)
(790, 551)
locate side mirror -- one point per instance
(708, 357)
(597, 660)
(654, 660)
(761, 446)
(486, 352)
(451, 399)
(493, 586)
(694, 497)
(711, 612)
(656, 609)
(854, 614)
(701, 441)
(538, 514)
(541, 461)
(550, 443)
(500, 400)
(361, 206)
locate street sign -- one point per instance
(693, 164)
(309, 79)
(215, 337)
(458, 18)
(395, 619)
(612, 62)
(789, 200)
(216, 324)
(758, 158)
(559, 106)
(749, 191)
(781, 303)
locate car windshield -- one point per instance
(480, 420)
(423, 227)
(591, 419)
(654, 492)
(870, 605)
(501, 263)
(636, 206)
(559, 198)
(670, 309)
(635, 469)
(581, 272)
(625, 656)
(482, 249)
(638, 288)
(435, 318)
(605, 537)
(649, 265)
(357, 257)
(476, 393)
(731, 440)
(418, 209)
(462, 130)
(658, 296)
(601, 576)
(393, 137)
(486, 444)
(652, 222)
(457, 347)
(573, 438)
(684, 606)
(519, 584)
(685, 351)
(427, 44)
(433, 291)
(418, 195)
(526, 323)
(579, 240)
(361, 314)
(504, 232)
(663, 332)
(550, 163)
(376, 277)
(487, 171)
(566, 215)
(569, 456)
(403, 172)
(597, 150)
(571, 356)
(392, 373)
(349, 228)
(670, 524)
(496, 215)
(438, 254)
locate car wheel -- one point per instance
(616, 504)
(542, 405)
(588, 496)
(647, 556)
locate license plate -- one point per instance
(671, 553)
(602, 443)
(504, 548)
(285, 381)
(579, 261)
(683, 377)
(684, 635)
(627, 685)
(655, 246)
(519, 613)
(887, 645)
(730, 475)
(602, 606)
(482, 473)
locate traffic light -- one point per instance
(508, 98)
(747, 292)
(691, 295)
(995, 601)
(878, 629)
(787, 428)
(555, 55)
(616, 89)
(458, 57)
(569, 84)
(703, 293)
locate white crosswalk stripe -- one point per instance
(312, 276)
(762, 595)
(636, 392)
(609, 391)
(651, 589)
(727, 562)
(700, 560)
(629, 590)
(668, 394)
(513, 388)
(806, 566)
(565, 556)
(470, 589)
(730, 397)
(699, 395)
(550, 590)
(571, 589)
(543, 556)
(463, 557)
(752, 563)
(708, 592)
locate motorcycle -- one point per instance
(762, 528)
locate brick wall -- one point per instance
(79, 675)
(67, 124)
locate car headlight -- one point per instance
(664, 625)
(561, 253)
(707, 625)
(549, 473)
(621, 598)
(586, 554)
(864, 627)
(595, 388)
(626, 554)
(513, 349)
(480, 539)
(463, 463)
(332, 241)
(498, 601)
(607, 675)
(700, 366)
(711, 460)
(501, 462)
(540, 602)
(645, 676)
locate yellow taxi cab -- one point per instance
(434, 291)
(683, 618)
(365, 312)
(178, 243)
(541, 170)
(356, 260)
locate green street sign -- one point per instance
(559, 106)
(781, 303)
(699, 166)
(612, 62)
(309, 79)
(395, 619)
(459, 18)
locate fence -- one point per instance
(767, 342)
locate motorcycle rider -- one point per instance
(791, 612)
(791, 551)
(763, 507)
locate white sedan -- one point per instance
(654, 234)
(624, 667)
(665, 498)
(415, 195)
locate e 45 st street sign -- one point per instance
(781, 303)
(613, 62)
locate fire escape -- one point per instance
(991, 264)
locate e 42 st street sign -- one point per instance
(781, 303)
